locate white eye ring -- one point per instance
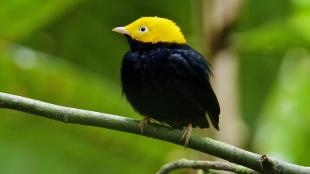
(143, 29)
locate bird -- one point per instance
(166, 80)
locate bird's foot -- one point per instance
(187, 134)
(144, 123)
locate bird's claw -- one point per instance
(187, 134)
(144, 123)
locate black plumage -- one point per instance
(169, 82)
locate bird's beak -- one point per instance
(120, 30)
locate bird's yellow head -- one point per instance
(153, 30)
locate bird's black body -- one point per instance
(169, 83)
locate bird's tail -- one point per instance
(213, 109)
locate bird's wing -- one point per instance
(190, 68)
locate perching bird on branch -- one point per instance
(165, 79)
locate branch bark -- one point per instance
(257, 162)
(205, 165)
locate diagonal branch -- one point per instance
(257, 162)
(205, 165)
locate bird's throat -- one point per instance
(136, 45)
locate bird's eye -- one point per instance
(143, 29)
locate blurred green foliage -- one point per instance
(284, 124)
(264, 39)
(20, 18)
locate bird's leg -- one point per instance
(144, 122)
(187, 134)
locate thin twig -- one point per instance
(205, 165)
(257, 162)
